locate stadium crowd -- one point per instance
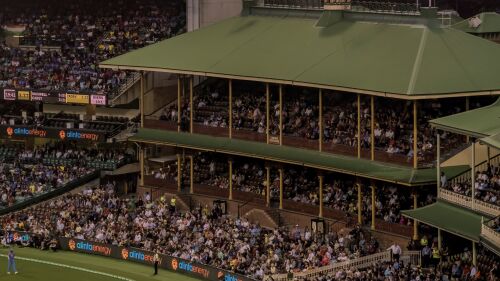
(487, 185)
(84, 34)
(300, 185)
(393, 131)
(202, 235)
(19, 182)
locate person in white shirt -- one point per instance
(395, 251)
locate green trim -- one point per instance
(309, 158)
(450, 218)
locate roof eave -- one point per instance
(304, 84)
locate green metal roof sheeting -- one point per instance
(481, 122)
(402, 59)
(310, 158)
(450, 218)
(493, 141)
(490, 24)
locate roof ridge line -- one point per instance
(418, 61)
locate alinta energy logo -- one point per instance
(138, 255)
(20, 237)
(175, 264)
(230, 277)
(124, 253)
(72, 245)
(189, 267)
(78, 135)
(89, 247)
(26, 132)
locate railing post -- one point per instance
(179, 107)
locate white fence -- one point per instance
(412, 257)
(468, 202)
(490, 234)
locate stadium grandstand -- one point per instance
(249, 140)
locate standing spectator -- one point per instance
(395, 251)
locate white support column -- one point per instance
(438, 162)
(473, 173)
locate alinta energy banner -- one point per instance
(136, 255)
(53, 133)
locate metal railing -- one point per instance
(409, 8)
(124, 87)
(489, 233)
(359, 263)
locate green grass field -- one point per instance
(69, 266)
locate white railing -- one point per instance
(455, 198)
(467, 202)
(362, 262)
(487, 208)
(490, 234)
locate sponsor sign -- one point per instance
(9, 94)
(18, 236)
(53, 97)
(93, 248)
(76, 135)
(43, 132)
(77, 98)
(200, 271)
(23, 131)
(23, 95)
(98, 99)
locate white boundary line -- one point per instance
(72, 267)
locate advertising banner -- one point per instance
(18, 236)
(53, 97)
(146, 257)
(53, 133)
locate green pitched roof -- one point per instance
(481, 122)
(490, 23)
(401, 60)
(285, 154)
(493, 141)
(450, 218)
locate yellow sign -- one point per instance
(23, 95)
(76, 98)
